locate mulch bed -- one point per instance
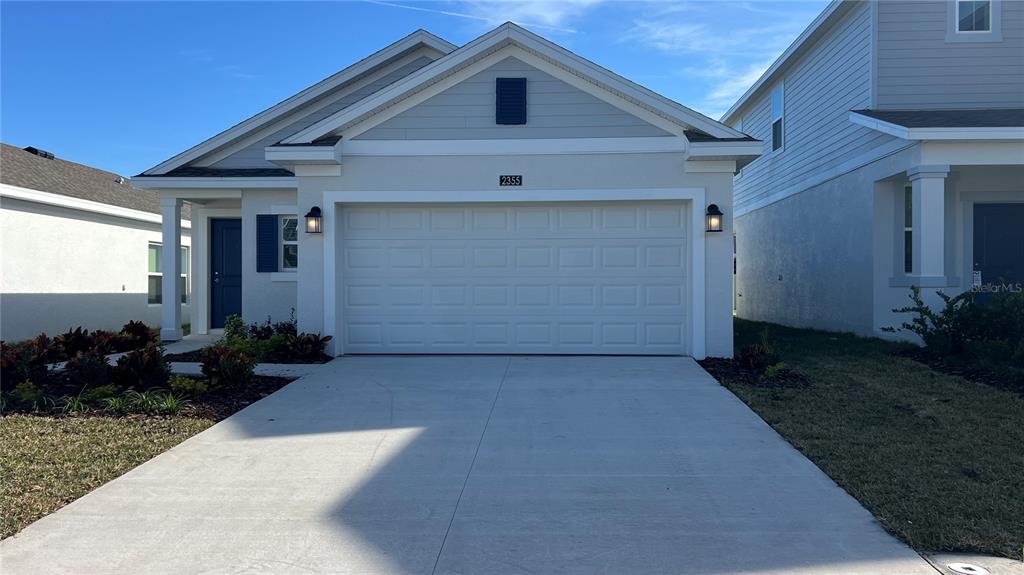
(217, 406)
(731, 371)
(969, 372)
(194, 357)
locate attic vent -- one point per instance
(40, 153)
(510, 104)
(119, 180)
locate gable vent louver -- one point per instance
(510, 101)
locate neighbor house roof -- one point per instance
(32, 171)
(999, 124)
(1009, 118)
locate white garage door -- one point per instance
(605, 278)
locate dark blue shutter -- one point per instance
(510, 101)
(266, 243)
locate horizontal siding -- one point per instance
(919, 69)
(820, 89)
(554, 110)
(253, 155)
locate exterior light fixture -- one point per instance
(314, 221)
(713, 219)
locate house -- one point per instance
(893, 157)
(79, 247)
(506, 196)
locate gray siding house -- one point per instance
(893, 156)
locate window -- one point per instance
(156, 255)
(777, 114)
(908, 229)
(289, 242)
(973, 16)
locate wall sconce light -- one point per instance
(314, 221)
(713, 219)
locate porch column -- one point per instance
(170, 308)
(929, 220)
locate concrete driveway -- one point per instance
(475, 465)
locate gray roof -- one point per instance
(1007, 118)
(57, 176)
(200, 172)
(695, 136)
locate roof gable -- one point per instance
(555, 110)
(511, 40)
(420, 40)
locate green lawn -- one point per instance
(937, 459)
(48, 462)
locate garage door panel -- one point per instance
(558, 278)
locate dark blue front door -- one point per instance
(225, 270)
(999, 244)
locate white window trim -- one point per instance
(282, 242)
(186, 275)
(994, 33)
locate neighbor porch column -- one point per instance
(929, 220)
(170, 308)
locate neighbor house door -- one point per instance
(999, 244)
(225, 270)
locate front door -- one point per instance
(998, 246)
(225, 270)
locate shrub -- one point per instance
(136, 334)
(261, 331)
(187, 386)
(758, 356)
(117, 404)
(88, 369)
(307, 346)
(72, 404)
(141, 369)
(27, 395)
(943, 332)
(234, 329)
(287, 328)
(774, 371)
(226, 368)
(26, 360)
(151, 401)
(107, 341)
(74, 341)
(989, 330)
(97, 395)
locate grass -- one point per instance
(939, 460)
(48, 462)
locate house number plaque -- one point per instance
(510, 180)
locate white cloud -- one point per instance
(552, 14)
(727, 83)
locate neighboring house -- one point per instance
(893, 156)
(506, 196)
(78, 247)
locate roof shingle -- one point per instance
(1006, 118)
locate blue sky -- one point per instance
(125, 85)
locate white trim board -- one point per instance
(570, 67)
(161, 182)
(998, 133)
(695, 196)
(47, 198)
(354, 71)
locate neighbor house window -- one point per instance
(156, 267)
(289, 242)
(973, 16)
(908, 230)
(778, 111)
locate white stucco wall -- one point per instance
(478, 176)
(266, 294)
(63, 268)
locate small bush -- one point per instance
(143, 368)
(97, 395)
(307, 346)
(73, 342)
(261, 331)
(287, 328)
(26, 361)
(27, 395)
(136, 334)
(72, 404)
(774, 372)
(118, 404)
(88, 369)
(187, 386)
(234, 329)
(226, 368)
(758, 356)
